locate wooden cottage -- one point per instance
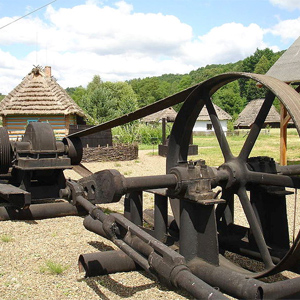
(248, 115)
(169, 114)
(39, 98)
(203, 122)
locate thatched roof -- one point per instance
(222, 115)
(250, 112)
(286, 68)
(39, 94)
(168, 113)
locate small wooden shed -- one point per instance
(248, 115)
(39, 98)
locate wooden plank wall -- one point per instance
(16, 124)
(102, 138)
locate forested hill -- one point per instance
(152, 89)
(105, 100)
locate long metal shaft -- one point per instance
(41, 211)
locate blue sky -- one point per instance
(126, 39)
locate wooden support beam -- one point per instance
(284, 119)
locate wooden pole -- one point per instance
(284, 119)
(163, 131)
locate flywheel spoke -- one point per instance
(255, 227)
(227, 154)
(256, 127)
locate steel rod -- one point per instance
(289, 170)
(150, 182)
(41, 211)
(273, 179)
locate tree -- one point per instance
(252, 90)
(149, 90)
(108, 100)
(185, 82)
(249, 65)
(229, 99)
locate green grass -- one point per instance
(145, 147)
(53, 268)
(5, 238)
(266, 145)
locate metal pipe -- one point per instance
(93, 225)
(273, 179)
(136, 243)
(135, 214)
(108, 262)
(160, 216)
(286, 289)
(179, 274)
(197, 287)
(93, 210)
(41, 211)
(232, 283)
(288, 170)
(150, 182)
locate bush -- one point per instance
(148, 134)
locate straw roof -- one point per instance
(168, 113)
(286, 68)
(39, 94)
(250, 112)
(222, 115)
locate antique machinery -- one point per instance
(201, 248)
(32, 171)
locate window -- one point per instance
(208, 126)
(31, 121)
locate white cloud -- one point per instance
(288, 29)
(118, 44)
(227, 43)
(286, 4)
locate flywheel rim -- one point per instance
(182, 130)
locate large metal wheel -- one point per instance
(237, 176)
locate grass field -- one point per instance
(267, 144)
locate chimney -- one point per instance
(47, 71)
